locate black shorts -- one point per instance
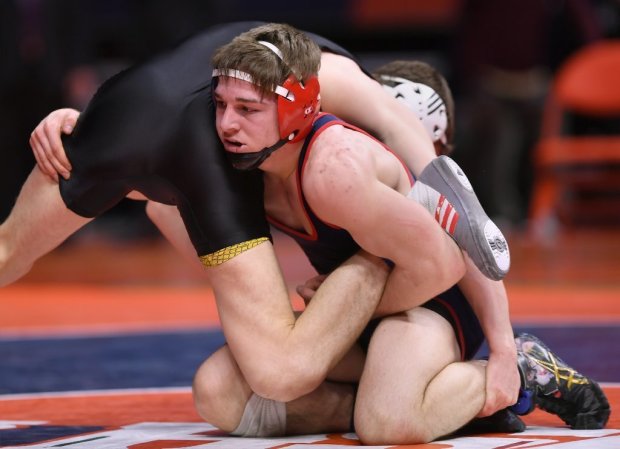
(454, 307)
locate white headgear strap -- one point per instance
(273, 48)
(424, 102)
(244, 76)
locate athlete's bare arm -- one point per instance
(490, 303)
(281, 357)
(362, 191)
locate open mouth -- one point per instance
(232, 145)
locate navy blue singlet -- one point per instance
(326, 246)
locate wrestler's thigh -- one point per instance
(220, 390)
(406, 352)
(39, 221)
(169, 222)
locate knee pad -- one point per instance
(262, 418)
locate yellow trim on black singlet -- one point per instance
(225, 254)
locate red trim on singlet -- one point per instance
(287, 229)
(313, 235)
(303, 164)
(457, 324)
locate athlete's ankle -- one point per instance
(436, 204)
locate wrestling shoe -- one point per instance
(460, 214)
(557, 388)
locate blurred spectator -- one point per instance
(27, 90)
(505, 53)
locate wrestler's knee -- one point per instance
(376, 425)
(208, 390)
(219, 392)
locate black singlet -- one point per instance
(151, 128)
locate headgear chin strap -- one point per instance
(424, 102)
(251, 161)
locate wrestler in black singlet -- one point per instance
(152, 129)
(328, 246)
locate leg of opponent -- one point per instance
(38, 223)
(443, 188)
(223, 398)
(414, 389)
(169, 222)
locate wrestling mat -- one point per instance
(110, 364)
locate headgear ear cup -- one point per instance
(297, 111)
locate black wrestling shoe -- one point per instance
(470, 227)
(502, 421)
(559, 389)
(528, 390)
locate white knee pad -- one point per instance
(262, 418)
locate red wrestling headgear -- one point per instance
(297, 108)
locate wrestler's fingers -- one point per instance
(39, 154)
(55, 149)
(316, 281)
(47, 152)
(53, 176)
(309, 288)
(38, 140)
(305, 293)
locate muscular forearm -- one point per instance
(490, 303)
(281, 357)
(427, 261)
(338, 313)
